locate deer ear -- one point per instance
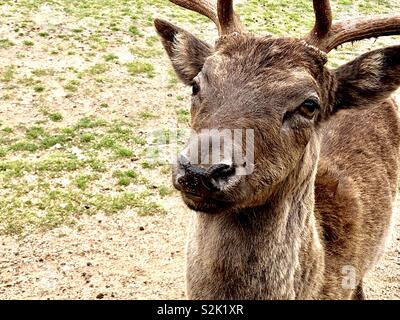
(187, 53)
(368, 79)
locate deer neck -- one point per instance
(269, 252)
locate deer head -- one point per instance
(278, 87)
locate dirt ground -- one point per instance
(103, 255)
(127, 257)
(123, 257)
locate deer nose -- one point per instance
(202, 181)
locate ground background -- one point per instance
(84, 213)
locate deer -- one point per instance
(313, 214)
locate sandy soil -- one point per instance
(126, 257)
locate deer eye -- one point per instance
(195, 88)
(308, 108)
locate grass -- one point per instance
(41, 72)
(125, 178)
(90, 123)
(183, 115)
(72, 85)
(108, 77)
(6, 43)
(28, 43)
(139, 67)
(97, 69)
(8, 74)
(24, 146)
(87, 137)
(146, 52)
(147, 114)
(56, 116)
(123, 152)
(35, 132)
(3, 152)
(134, 30)
(83, 174)
(51, 141)
(39, 88)
(165, 191)
(7, 130)
(82, 181)
(110, 57)
(173, 80)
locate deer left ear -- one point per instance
(186, 52)
(368, 79)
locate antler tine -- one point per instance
(221, 13)
(205, 7)
(228, 20)
(323, 23)
(323, 18)
(327, 36)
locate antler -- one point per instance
(221, 13)
(327, 36)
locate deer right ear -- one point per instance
(186, 52)
(370, 78)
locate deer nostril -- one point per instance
(202, 181)
(221, 170)
(217, 175)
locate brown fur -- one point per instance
(320, 197)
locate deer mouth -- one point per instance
(204, 203)
(201, 195)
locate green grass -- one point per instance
(97, 69)
(151, 41)
(77, 30)
(139, 67)
(123, 152)
(42, 72)
(39, 88)
(133, 30)
(150, 208)
(51, 141)
(8, 74)
(28, 43)
(147, 114)
(173, 80)
(125, 178)
(72, 85)
(3, 152)
(165, 191)
(110, 57)
(35, 132)
(82, 181)
(6, 43)
(56, 116)
(183, 115)
(87, 137)
(146, 52)
(7, 130)
(28, 81)
(24, 146)
(90, 123)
